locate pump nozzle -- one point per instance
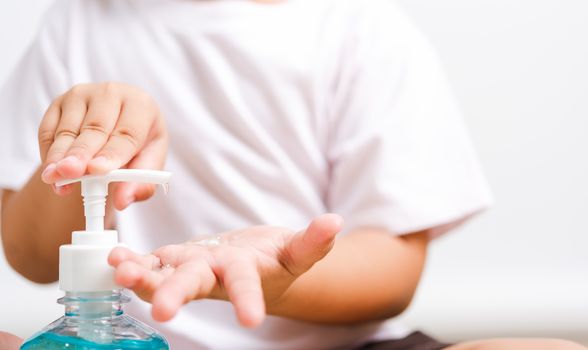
(83, 264)
(95, 190)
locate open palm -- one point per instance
(251, 268)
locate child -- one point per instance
(269, 114)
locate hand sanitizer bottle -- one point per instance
(94, 316)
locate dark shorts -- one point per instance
(414, 341)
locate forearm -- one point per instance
(35, 222)
(368, 275)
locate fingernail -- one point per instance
(48, 171)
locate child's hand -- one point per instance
(252, 268)
(95, 128)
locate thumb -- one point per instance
(311, 245)
(151, 157)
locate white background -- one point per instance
(520, 71)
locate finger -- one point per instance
(73, 111)
(9, 341)
(172, 254)
(46, 133)
(143, 281)
(121, 254)
(127, 193)
(194, 280)
(243, 285)
(311, 245)
(152, 156)
(103, 112)
(126, 139)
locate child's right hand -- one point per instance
(95, 128)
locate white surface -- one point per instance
(518, 67)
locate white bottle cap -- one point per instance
(83, 265)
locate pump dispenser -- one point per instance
(94, 317)
(82, 264)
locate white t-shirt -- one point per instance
(276, 113)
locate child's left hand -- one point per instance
(252, 268)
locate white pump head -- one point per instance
(83, 265)
(95, 190)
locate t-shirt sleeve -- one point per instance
(38, 78)
(400, 155)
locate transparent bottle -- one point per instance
(95, 320)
